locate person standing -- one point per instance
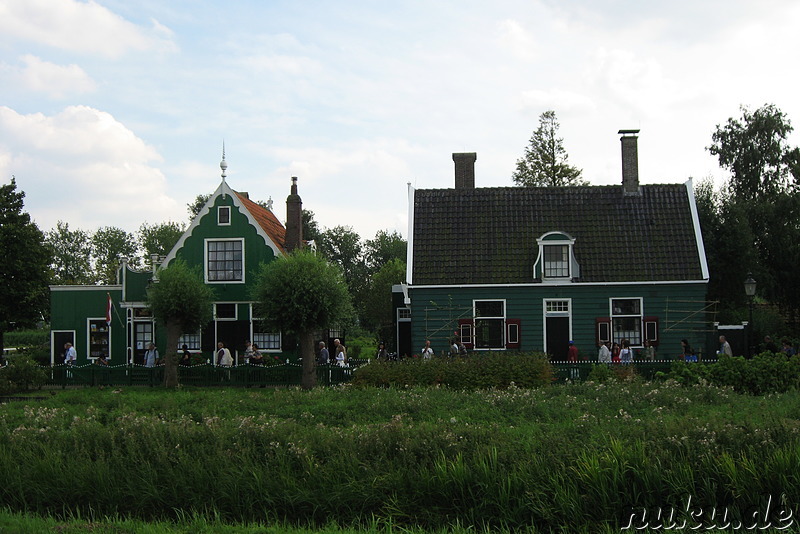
(382, 354)
(572, 352)
(323, 356)
(427, 352)
(341, 355)
(724, 347)
(604, 354)
(224, 357)
(186, 356)
(151, 356)
(649, 351)
(338, 347)
(70, 354)
(626, 353)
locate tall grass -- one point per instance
(577, 457)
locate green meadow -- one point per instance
(587, 457)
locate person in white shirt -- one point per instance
(604, 354)
(224, 357)
(70, 354)
(427, 352)
(151, 356)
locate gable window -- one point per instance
(626, 320)
(556, 260)
(225, 260)
(224, 216)
(490, 324)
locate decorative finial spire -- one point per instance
(269, 203)
(223, 164)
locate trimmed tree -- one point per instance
(545, 161)
(181, 301)
(301, 294)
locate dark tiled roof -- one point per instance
(488, 235)
(267, 220)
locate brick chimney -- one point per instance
(465, 169)
(630, 162)
(294, 219)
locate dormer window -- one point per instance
(556, 260)
(224, 216)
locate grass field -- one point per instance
(573, 458)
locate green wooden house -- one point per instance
(229, 238)
(533, 268)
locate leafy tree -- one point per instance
(159, 238)
(754, 149)
(300, 294)
(342, 246)
(386, 246)
(23, 263)
(182, 302)
(762, 194)
(195, 207)
(378, 312)
(110, 244)
(311, 230)
(71, 255)
(545, 159)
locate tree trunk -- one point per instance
(309, 377)
(171, 355)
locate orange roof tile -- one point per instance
(267, 220)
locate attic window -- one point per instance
(556, 260)
(225, 260)
(224, 216)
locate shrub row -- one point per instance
(765, 373)
(477, 371)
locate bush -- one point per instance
(478, 371)
(26, 338)
(765, 373)
(21, 374)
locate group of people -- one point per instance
(621, 352)
(339, 356)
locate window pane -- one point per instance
(626, 306)
(556, 264)
(489, 308)
(225, 261)
(489, 333)
(629, 328)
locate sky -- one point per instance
(114, 112)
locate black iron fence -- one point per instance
(286, 374)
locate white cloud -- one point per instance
(56, 81)
(516, 39)
(83, 166)
(85, 27)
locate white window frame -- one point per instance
(220, 211)
(235, 311)
(563, 241)
(626, 334)
(262, 346)
(193, 341)
(207, 242)
(476, 319)
(89, 321)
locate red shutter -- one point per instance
(603, 329)
(651, 330)
(465, 330)
(513, 333)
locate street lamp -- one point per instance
(750, 291)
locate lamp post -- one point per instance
(750, 291)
